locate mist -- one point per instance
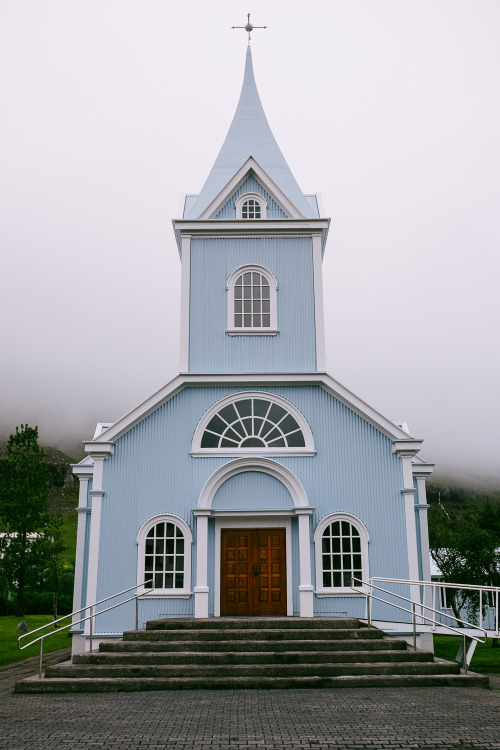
(112, 111)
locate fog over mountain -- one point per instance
(391, 110)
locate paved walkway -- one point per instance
(346, 719)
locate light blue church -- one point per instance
(253, 484)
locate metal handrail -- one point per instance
(91, 617)
(458, 586)
(370, 596)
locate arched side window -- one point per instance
(164, 556)
(341, 552)
(251, 206)
(252, 422)
(252, 303)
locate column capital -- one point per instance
(406, 448)
(101, 450)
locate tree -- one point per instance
(24, 507)
(50, 548)
(465, 546)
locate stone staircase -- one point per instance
(252, 653)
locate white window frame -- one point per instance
(272, 329)
(183, 593)
(307, 450)
(323, 591)
(256, 197)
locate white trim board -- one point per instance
(331, 386)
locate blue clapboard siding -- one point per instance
(228, 211)
(211, 349)
(151, 472)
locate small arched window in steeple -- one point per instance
(251, 206)
(252, 301)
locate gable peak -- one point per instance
(249, 135)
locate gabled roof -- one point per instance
(249, 136)
(333, 387)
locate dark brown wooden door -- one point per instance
(253, 572)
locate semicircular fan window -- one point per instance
(253, 423)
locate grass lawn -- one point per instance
(9, 652)
(485, 658)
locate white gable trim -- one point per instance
(331, 386)
(251, 166)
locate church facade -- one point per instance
(253, 484)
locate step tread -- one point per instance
(231, 656)
(328, 669)
(87, 684)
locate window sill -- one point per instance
(228, 452)
(166, 594)
(323, 593)
(252, 331)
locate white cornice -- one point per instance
(264, 228)
(322, 380)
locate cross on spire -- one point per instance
(248, 27)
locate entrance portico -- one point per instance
(248, 518)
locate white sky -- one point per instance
(111, 110)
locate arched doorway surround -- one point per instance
(246, 517)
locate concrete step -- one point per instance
(255, 623)
(252, 657)
(245, 634)
(240, 654)
(222, 646)
(248, 670)
(91, 685)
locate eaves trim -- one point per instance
(185, 380)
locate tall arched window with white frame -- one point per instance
(252, 301)
(164, 556)
(341, 553)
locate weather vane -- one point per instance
(248, 27)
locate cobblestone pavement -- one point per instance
(217, 720)
(348, 719)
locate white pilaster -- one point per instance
(420, 472)
(185, 295)
(406, 449)
(201, 590)
(83, 510)
(96, 494)
(306, 589)
(318, 304)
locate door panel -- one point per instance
(253, 572)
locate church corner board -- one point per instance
(253, 484)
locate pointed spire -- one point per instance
(249, 135)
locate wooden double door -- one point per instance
(253, 572)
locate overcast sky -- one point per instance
(111, 110)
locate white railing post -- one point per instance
(414, 626)
(41, 659)
(434, 605)
(91, 627)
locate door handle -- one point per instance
(255, 569)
